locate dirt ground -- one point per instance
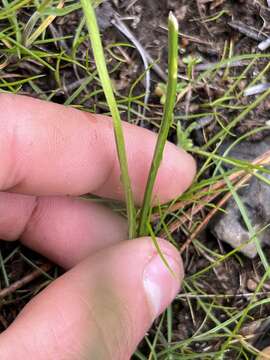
(210, 30)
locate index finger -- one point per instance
(49, 149)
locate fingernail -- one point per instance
(160, 285)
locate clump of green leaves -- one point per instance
(161, 90)
(191, 62)
(184, 136)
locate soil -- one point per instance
(205, 41)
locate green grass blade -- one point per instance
(238, 118)
(159, 251)
(166, 123)
(245, 216)
(94, 34)
(32, 54)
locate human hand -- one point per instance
(113, 289)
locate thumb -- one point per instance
(265, 354)
(100, 309)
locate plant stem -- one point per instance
(165, 125)
(97, 47)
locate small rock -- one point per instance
(229, 226)
(252, 285)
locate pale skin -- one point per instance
(113, 288)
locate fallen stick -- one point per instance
(25, 280)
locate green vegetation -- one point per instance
(216, 318)
(165, 124)
(108, 91)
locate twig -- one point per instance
(246, 30)
(189, 37)
(220, 296)
(118, 23)
(209, 65)
(25, 280)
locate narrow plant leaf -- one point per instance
(97, 47)
(165, 125)
(159, 251)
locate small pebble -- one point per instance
(252, 285)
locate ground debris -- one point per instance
(246, 30)
(230, 226)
